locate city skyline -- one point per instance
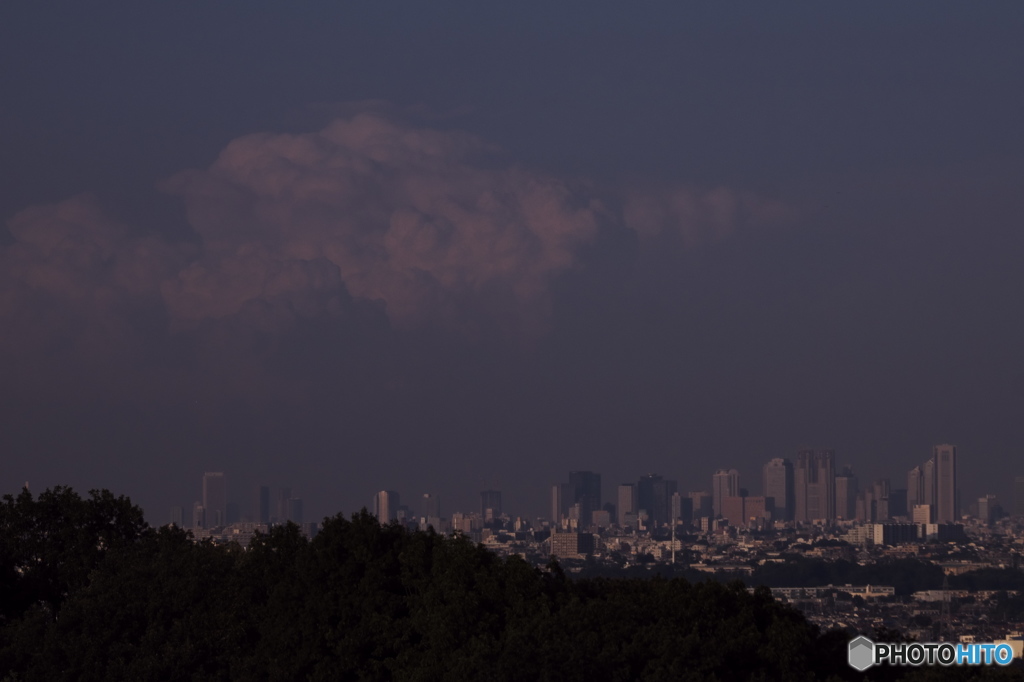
(868, 500)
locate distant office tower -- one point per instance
(576, 500)
(645, 495)
(586, 492)
(915, 487)
(556, 505)
(987, 507)
(654, 496)
(283, 495)
(947, 510)
(215, 499)
(295, 510)
(681, 508)
(465, 523)
(490, 500)
(703, 505)
(198, 520)
(663, 494)
(601, 518)
(823, 490)
(431, 506)
(777, 484)
(177, 516)
(627, 504)
(898, 503)
(814, 484)
(880, 497)
(385, 505)
(1018, 496)
(743, 511)
(846, 494)
(928, 484)
(924, 483)
(864, 505)
(922, 514)
(262, 504)
(724, 483)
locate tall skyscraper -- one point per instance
(283, 495)
(915, 487)
(987, 508)
(385, 505)
(215, 499)
(645, 495)
(586, 492)
(663, 510)
(1018, 496)
(928, 484)
(654, 496)
(557, 512)
(945, 484)
(703, 506)
(880, 490)
(430, 506)
(295, 511)
(627, 503)
(681, 508)
(578, 499)
(490, 500)
(814, 483)
(262, 514)
(198, 520)
(724, 483)
(898, 503)
(777, 484)
(846, 494)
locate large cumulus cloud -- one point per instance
(420, 220)
(368, 224)
(75, 277)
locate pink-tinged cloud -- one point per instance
(72, 255)
(696, 216)
(415, 218)
(82, 309)
(302, 233)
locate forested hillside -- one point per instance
(90, 592)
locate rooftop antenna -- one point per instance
(944, 621)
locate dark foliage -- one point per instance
(91, 593)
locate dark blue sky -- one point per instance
(451, 246)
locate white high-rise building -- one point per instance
(385, 506)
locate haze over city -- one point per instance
(447, 248)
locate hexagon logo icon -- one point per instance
(861, 653)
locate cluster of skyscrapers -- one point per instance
(215, 511)
(931, 487)
(808, 489)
